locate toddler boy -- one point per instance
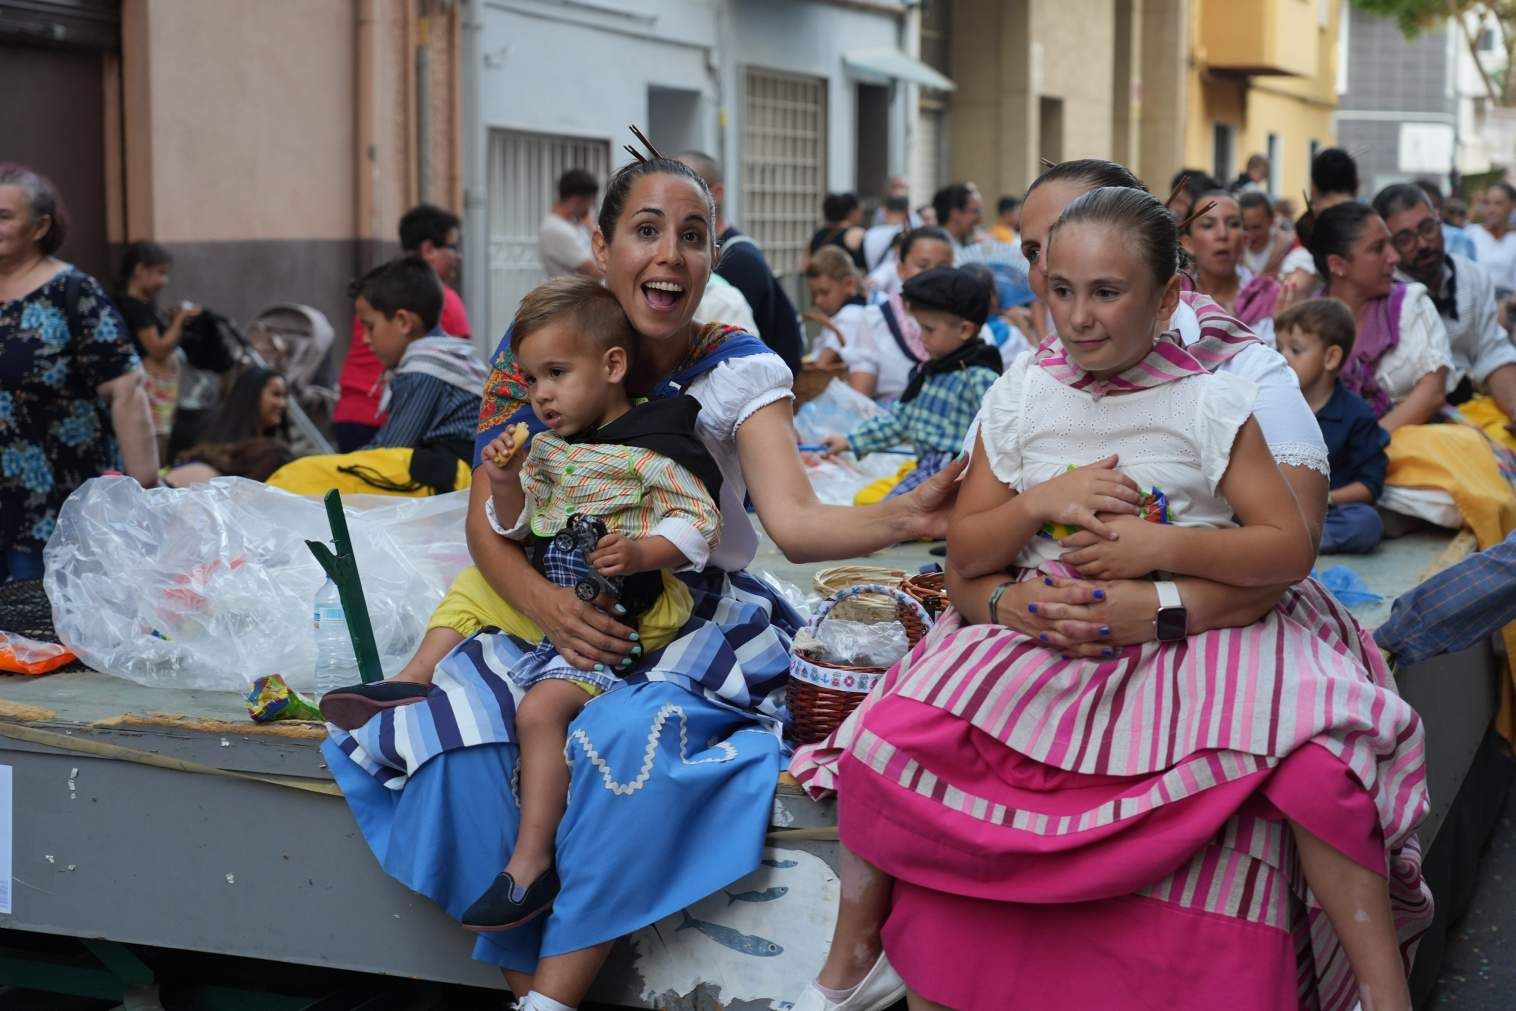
(1316, 337)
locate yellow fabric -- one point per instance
(472, 604)
(316, 475)
(1458, 460)
(1483, 413)
(875, 491)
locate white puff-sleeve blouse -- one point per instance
(1177, 437)
(729, 394)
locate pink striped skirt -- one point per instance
(1093, 829)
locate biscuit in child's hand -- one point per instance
(519, 434)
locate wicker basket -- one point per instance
(864, 607)
(814, 378)
(822, 694)
(930, 590)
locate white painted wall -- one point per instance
(584, 70)
(577, 71)
(806, 37)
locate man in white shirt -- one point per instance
(1265, 247)
(1495, 239)
(1484, 359)
(563, 241)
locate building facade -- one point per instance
(271, 147)
(1263, 79)
(794, 98)
(1154, 84)
(1399, 114)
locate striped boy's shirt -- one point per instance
(637, 492)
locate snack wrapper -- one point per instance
(1154, 506)
(271, 699)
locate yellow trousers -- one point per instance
(472, 604)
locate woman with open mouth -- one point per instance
(672, 775)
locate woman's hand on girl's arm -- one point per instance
(1421, 404)
(583, 633)
(807, 530)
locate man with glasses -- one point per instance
(1484, 358)
(432, 234)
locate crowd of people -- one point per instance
(1136, 420)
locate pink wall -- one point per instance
(240, 119)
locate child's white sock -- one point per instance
(535, 1001)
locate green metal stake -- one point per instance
(343, 568)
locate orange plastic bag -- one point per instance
(20, 655)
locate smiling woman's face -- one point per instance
(659, 259)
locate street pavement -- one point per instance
(1479, 965)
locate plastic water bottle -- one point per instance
(336, 664)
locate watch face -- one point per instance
(1172, 624)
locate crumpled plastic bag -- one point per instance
(805, 604)
(212, 586)
(855, 643)
(837, 480)
(837, 410)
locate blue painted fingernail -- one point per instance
(600, 666)
(620, 609)
(625, 663)
(1032, 608)
(1043, 637)
(1099, 594)
(635, 637)
(1046, 581)
(636, 651)
(1105, 630)
(1108, 652)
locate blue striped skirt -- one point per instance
(672, 776)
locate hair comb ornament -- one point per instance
(1199, 212)
(652, 152)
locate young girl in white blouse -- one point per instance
(1081, 442)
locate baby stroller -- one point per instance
(296, 341)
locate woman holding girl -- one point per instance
(1084, 618)
(688, 751)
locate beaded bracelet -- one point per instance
(995, 596)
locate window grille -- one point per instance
(783, 163)
(523, 183)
